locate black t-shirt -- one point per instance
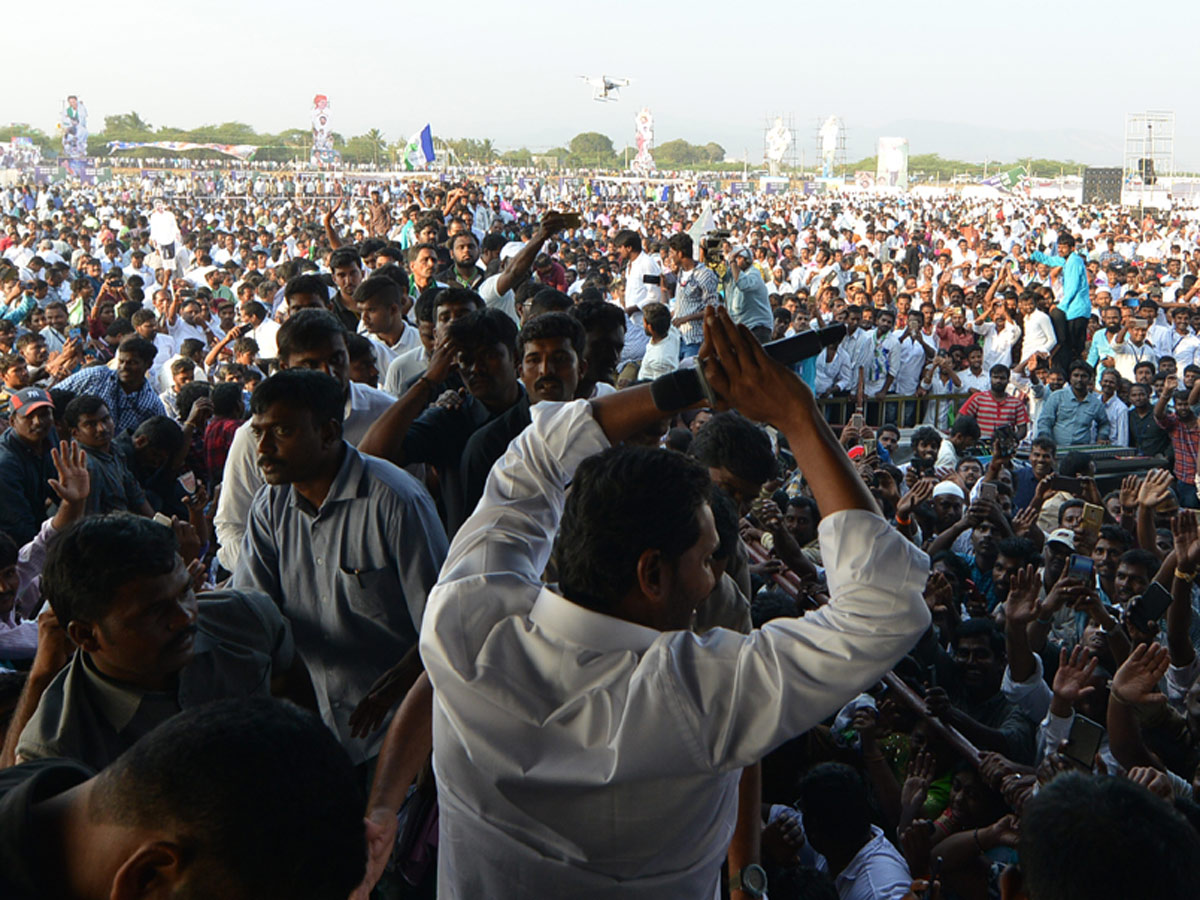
(20, 788)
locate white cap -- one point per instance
(511, 249)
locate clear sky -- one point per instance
(1043, 73)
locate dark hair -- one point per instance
(308, 389)
(484, 327)
(1082, 818)
(9, 551)
(547, 300)
(266, 799)
(1117, 535)
(1080, 364)
(457, 295)
(306, 284)
(607, 524)
(86, 405)
(836, 806)
(598, 314)
(139, 347)
(888, 427)
(188, 395)
(344, 256)
(627, 238)
(982, 628)
(379, 286)
(1139, 557)
(359, 346)
(658, 317)
(678, 439)
(92, 559)
(725, 519)
(729, 440)
(424, 307)
(305, 329)
(1045, 442)
(549, 326)
(966, 425)
(681, 242)
(925, 435)
(1073, 503)
(227, 400)
(1073, 463)
(1018, 548)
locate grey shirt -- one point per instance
(241, 640)
(351, 577)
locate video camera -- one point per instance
(711, 244)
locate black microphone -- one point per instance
(683, 387)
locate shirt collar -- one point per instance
(118, 703)
(579, 625)
(346, 485)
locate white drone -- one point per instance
(605, 89)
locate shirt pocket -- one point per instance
(374, 594)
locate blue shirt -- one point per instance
(748, 300)
(1069, 420)
(1075, 302)
(128, 410)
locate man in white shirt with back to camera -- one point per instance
(587, 743)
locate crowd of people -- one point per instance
(362, 526)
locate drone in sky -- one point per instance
(605, 89)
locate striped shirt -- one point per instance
(697, 290)
(991, 413)
(129, 410)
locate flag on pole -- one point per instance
(419, 150)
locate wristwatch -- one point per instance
(752, 879)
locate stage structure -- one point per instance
(892, 163)
(1149, 164)
(779, 144)
(831, 146)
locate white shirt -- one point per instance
(385, 354)
(1039, 334)
(905, 361)
(876, 872)
(637, 292)
(264, 336)
(243, 478)
(567, 742)
(662, 357)
(163, 227)
(997, 343)
(506, 302)
(1118, 421)
(853, 353)
(405, 367)
(1127, 355)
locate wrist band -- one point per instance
(900, 521)
(1049, 621)
(978, 845)
(1189, 577)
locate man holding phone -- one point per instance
(1184, 430)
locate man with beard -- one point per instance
(147, 646)
(367, 593)
(482, 348)
(974, 704)
(550, 354)
(1101, 355)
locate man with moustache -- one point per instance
(550, 355)
(147, 646)
(367, 593)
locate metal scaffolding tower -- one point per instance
(1149, 165)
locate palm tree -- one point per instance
(378, 145)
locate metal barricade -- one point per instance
(901, 410)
